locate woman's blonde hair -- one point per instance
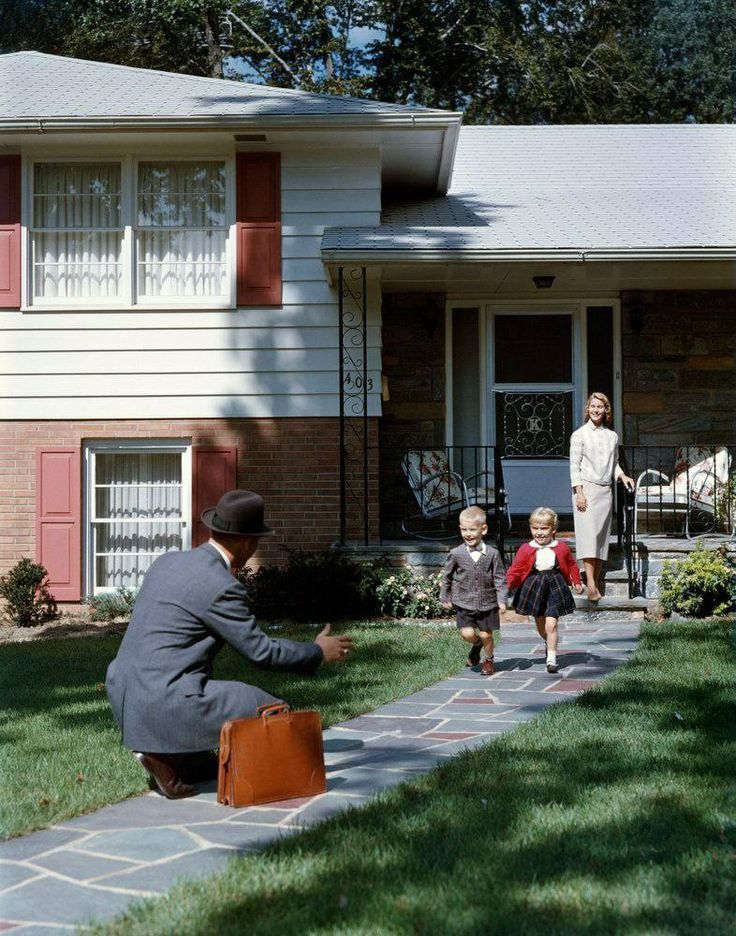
(545, 516)
(608, 415)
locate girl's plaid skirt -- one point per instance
(544, 594)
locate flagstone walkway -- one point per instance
(94, 866)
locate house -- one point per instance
(206, 284)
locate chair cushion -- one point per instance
(435, 486)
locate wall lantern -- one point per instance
(543, 282)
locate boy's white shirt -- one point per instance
(476, 551)
(545, 558)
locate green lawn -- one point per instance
(613, 814)
(60, 751)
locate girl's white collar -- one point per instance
(535, 545)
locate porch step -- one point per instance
(615, 605)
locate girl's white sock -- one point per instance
(552, 656)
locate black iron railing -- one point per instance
(424, 489)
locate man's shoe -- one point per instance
(164, 770)
(487, 669)
(199, 767)
(474, 655)
(552, 667)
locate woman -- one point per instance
(593, 469)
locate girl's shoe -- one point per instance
(487, 669)
(552, 667)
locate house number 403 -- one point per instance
(356, 383)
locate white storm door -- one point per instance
(534, 368)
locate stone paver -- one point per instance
(95, 866)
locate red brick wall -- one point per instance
(293, 463)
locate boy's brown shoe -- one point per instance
(487, 669)
(474, 655)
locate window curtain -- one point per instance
(78, 233)
(138, 514)
(182, 232)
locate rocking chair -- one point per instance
(442, 493)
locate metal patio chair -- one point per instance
(699, 479)
(441, 493)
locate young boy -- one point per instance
(474, 583)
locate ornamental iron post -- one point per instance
(354, 386)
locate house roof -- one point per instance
(34, 85)
(567, 193)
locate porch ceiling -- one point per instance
(586, 278)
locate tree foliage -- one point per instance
(553, 61)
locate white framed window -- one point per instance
(181, 229)
(131, 232)
(137, 507)
(77, 232)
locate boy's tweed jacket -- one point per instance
(160, 684)
(475, 586)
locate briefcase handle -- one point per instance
(274, 710)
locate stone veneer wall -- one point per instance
(413, 338)
(679, 367)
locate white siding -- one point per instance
(189, 363)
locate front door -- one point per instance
(534, 401)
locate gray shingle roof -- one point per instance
(602, 187)
(36, 85)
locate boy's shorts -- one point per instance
(484, 620)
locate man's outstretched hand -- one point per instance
(333, 648)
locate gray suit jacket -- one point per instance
(159, 684)
(476, 586)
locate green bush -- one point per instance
(325, 586)
(402, 593)
(28, 601)
(111, 606)
(312, 586)
(701, 585)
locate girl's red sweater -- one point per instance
(524, 563)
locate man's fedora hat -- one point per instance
(239, 513)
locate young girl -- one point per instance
(541, 571)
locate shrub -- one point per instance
(312, 586)
(326, 586)
(28, 601)
(110, 607)
(701, 585)
(402, 593)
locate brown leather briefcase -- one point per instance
(277, 755)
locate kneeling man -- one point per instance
(189, 606)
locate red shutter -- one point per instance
(59, 520)
(258, 216)
(214, 471)
(10, 232)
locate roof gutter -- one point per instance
(515, 255)
(409, 121)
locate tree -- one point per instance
(500, 61)
(560, 61)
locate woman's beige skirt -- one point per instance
(593, 525)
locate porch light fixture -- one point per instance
(543, 282)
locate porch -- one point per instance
(684, 497)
